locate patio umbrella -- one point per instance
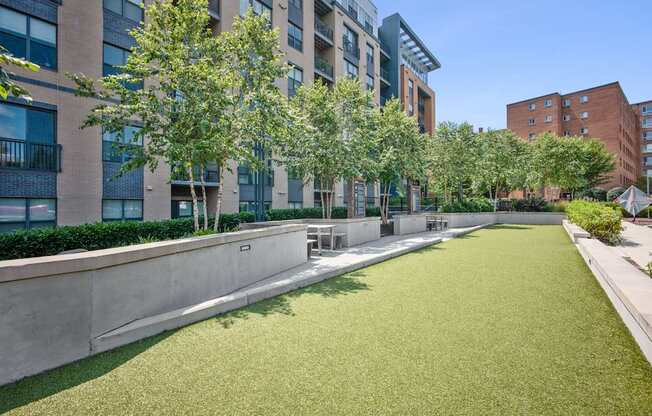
(633, 200)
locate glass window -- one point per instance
(647, 123)
(584, 114)
(28, 37)
(295, 80)
(42, 210)
(370, 54)
(113, 59)
(111, 209)
(295, 36)
(370, 83)
(351, 70)
(116, 146)
(548, 119)
(531, 122)
(21, 123)
(13, 122)
(113, 5)
(584, 130)
(40, 126)
(133, 209)
(12, 210)
(410, 97)
(295, 205)
(133, 10)
(532, 107)
(184, 208)
(547, 103)
(567, 117)
(648, 135)
(567, 103)
(261, 9)
(584, 99)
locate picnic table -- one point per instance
(322, 229)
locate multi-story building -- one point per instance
(405, 65)
(601, 112)
(54, 173)
(644, 112)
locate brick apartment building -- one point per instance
(54, 173)
(644, 112)
(601, 112)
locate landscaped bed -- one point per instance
(507, 320)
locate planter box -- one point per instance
(410, 224)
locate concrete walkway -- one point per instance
(636, 244)
(331, 264)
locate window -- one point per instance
(584, 114)
(351, 70)
(532, 107)
(21, 214)
(567, 117)
(584, 130)
(647, 123)
(118, 147)
(350, 42)
(530, 136)
(410, 97)
(295, 79)
(29, 124)
(584, 99)
(28, 37)
(183, 209)
(370, 83)
(131, 9)
(296, 3)
(531, 122)
(295, 205)
(646, 109)
(567, 133)
(113, 58)
(548, 119)
(295, 36)
(370, 55)
(251, 206)
(647, 135)
(261, 9)
(245, 176)
(566, 103)
(122, 209)
(547, 103)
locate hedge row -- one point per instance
(601, 221)
(47, 242)
(469, 205)
(297, 214)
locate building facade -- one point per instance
(644, 112)
(601, 112)
(54, 173)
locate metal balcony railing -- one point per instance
(27, 155)
(323, 66)
(323, 29)
(211, 176)
(350, 49)
(384, 74)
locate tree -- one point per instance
(503, 163)
(598, 163)
(330, 135)
(453, 158)
(208, 99)
(257, 116)
(7, 86)
(399, 151)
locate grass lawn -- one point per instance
(506, 321)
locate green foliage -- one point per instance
(535, 204)
(7, 86)
(469, 205)
(559, 206)
(296, 214)
(614, 193)
(47, 242)
(648, 268)
(601, 221)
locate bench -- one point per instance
(436, 223)
(338, 237)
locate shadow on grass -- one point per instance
(43, 385)
(282, 304)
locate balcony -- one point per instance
(351, 51)
(323, 68)
(17, 154)
(323, 7)
(211, 177)
(384, 52)
(384, 77)
(323, 35)
(214, 9)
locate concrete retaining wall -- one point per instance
(409, 224)
(52, 309)
(456, 220)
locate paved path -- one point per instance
(637, 244)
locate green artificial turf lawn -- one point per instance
(506, 321)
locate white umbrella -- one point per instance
(633, 200)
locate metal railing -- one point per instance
(350, 49)
(210, 176)
(323, 66)
(27, 155)
(384, 74)
(323, 29)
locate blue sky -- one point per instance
(501, 51)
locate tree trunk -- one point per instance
(383, 205)
(193, 194)
(330, 199)
(202, 181)
(218, 203)
(323, 203)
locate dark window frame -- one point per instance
(142, 210)
(294, 84)
(27, 223)
(122, 10)
(28, 40)
(293, 40)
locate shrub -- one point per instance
(599, 194)
(469, 205)
(47, 242)
(557, 206)
(298, 214)
(601, 221)
(615, 193)
(535, 204)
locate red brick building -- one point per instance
(601, 112)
